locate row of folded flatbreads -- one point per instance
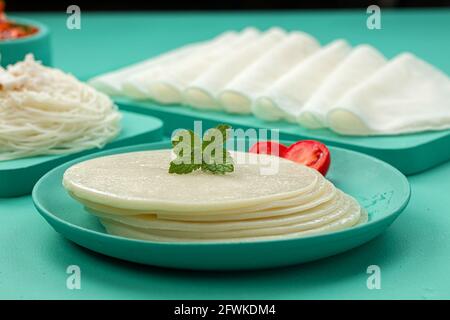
(279, 75)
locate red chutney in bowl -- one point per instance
(10, 30)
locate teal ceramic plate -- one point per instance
(19, 176)
(379, 187)
(410, 153)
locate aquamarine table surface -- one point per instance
(413, 255)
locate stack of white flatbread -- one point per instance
(279, 75)
(134, 196)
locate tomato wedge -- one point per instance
(269, 147)
(311, 153)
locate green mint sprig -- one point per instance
(208, 154)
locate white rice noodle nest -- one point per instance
(44, 111)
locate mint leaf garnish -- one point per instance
(208, 154)
(182, 168)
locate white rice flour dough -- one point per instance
(134, 196)
(288, 95)
(238, 95)
(112, 82)
(167, 83)
(406, 95)
(359, 65)
(203, 92)
(287, 76)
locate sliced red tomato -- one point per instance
(311, 153)
(269, 147)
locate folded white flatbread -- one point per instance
(360, 64)
(167, 84)
(287, 96)
(112, 82)
(238, 95)
(203, 92)
(406, 95)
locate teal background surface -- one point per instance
(414, 253)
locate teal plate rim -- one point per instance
(164, 145)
